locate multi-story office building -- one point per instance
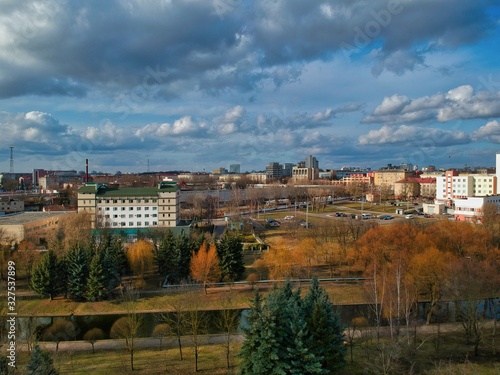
(311, 162)
(130, 208)
(454, 185)
(234, 168)
(274, 170)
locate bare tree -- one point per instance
(127, 327)
(92, 336)
(227, 322)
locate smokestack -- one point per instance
(86, 170)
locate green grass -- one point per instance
(453, 358)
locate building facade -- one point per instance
(130, 208)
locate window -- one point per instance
(123, 200)
(130, 201)
(155, 223)
(107, 200)
(115, 208)
(146, 208)
(115, 224)
(122, 223)
(137, 201)
(153, 200)
(130, 215)
(146, 215)
(130, 223)
(138, 223)
(123, 208)
(106, 209)
(146, 200)
(115, 216)
(139, 208)
(131, 208)
(146, 223)
(115, 201)
(122, 216)
(155, 215)
(138, 215)
(154, 208)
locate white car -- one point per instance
(289, 217)
(409, 216)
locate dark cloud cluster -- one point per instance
(75, 48)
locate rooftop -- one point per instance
(28, 217)
(103, 190)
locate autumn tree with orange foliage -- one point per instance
(140, 257)
(279, 261)
(461, 239)
(204, 265)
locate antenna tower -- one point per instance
(11, 159)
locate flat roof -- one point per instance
(107, 191)
(28, 217)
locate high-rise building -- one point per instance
(274, 170)
(234, 168)
(311, 162)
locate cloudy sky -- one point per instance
(198, 84)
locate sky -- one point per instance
(137, 85)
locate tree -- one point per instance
(230, 254)
(92, 335)
(160, 331)
(227, 322)
(114, 261)
(46, 276)
(76, 230)
(205, 265)
(325, 329)
(95, 283)
(280, 338)
(40, 363)
(140, 257)
(77, 271)
(127, 328)
(196, 325)
(60, 330)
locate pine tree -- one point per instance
(78, 272)
(230, 253)
(290, 335)
(113, 261)
(46, 276)
(325, 329)
(40, 363)
(167, 257)
(95, 281)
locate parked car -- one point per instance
(409, 216)
(386, 217)
(289, 217)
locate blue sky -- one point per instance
(198, 84)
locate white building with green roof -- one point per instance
(130, 209)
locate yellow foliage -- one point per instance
(140, 257)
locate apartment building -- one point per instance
(10, 205)
(454, 185)
(130, 208)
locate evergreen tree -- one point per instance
(113, 261)
(95, 281)
(326, 331)
(77, 260)
(185, 248)
(46, 275)
(167, 256)
(230, 253)
(40, 363)
(284, 330)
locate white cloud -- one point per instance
(406, 134)
(489, 132)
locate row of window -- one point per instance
(130, 208)
(127, 200)
(130, 216)
(131, 224)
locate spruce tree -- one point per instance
(46, 275)
(326, 331)
(113, 261)
(78, 272)
(230, 253)
(95, 282)
(167, 256)
(40, 363)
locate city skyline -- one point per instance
(195, 85)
